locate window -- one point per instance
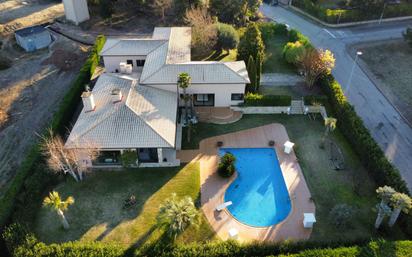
(237, 97)
(129, 62)
(202, 97)
(140, 62)
(107, 158)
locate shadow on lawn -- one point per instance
(99, 202)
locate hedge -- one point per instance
(312, 99)
(267, 100)
(335, 16)
(30, 177)
(270, 29)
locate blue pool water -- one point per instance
(259, 194)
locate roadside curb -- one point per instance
(347, 24)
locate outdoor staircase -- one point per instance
(297, 107)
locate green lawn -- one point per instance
(328, 187)
(97, 213)
(274, 62)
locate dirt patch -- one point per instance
(16, 14)
(62, 59)
(30, 92)
(388, 64)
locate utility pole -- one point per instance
(358, 53)
(383, 11)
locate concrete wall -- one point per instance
(261, 109)
(76, 10)
(111, 63)
(222, 92)
(35, 41)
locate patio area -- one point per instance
(213, 187)
(217, 115)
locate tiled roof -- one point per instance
(118, 46)
(146, 117)
(170, 55)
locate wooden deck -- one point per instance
(213, 186)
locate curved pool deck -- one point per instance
(213, 187)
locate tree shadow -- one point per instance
(99, 203)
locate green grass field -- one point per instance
(98, 215)
(274, 62)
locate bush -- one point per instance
(341, 215)
(227, 36)
(292, 51)
(226, 167)
(294, 35)
(315, 100)
(5, 62)
(31, 178)
(267, 100)
(269, 30)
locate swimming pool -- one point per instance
(259, 194)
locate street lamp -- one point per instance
(358, 53)
(383, 10)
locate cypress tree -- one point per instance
(251, 69)
(258, 71)
(251, 44)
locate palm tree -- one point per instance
(183, 82)
(385, 193)
(330, 125)
(54, 202)
(401, 203)
(176, 215)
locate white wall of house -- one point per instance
(111, 63)
(223, 92)
(76, 10)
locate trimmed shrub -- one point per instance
(267, 100)
(294, 35)
(341, 215)
(227, 36)
(226, 166)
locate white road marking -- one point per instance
(327, 31)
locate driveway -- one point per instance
(386, 125)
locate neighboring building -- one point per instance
(134, 105)
(76, 11)
(33, 38)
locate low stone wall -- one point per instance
(261, 109)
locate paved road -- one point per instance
(389, 129)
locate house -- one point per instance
(134, 105)
(33, 38)
(76, 11)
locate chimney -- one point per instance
(88, 101)
(116, 95)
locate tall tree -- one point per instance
(251, 69)
(204, 31)
(316, 63)
(401, 203)
(230, 11)
(385, 193)
(182, 6)
(183, 83)
(251, 44)
(177, 214)
(258, 64)
(106, 8)
(54, 202)
(227, 36)
(160, 7)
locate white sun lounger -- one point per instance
(220, 207)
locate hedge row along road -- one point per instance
(386, 125)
